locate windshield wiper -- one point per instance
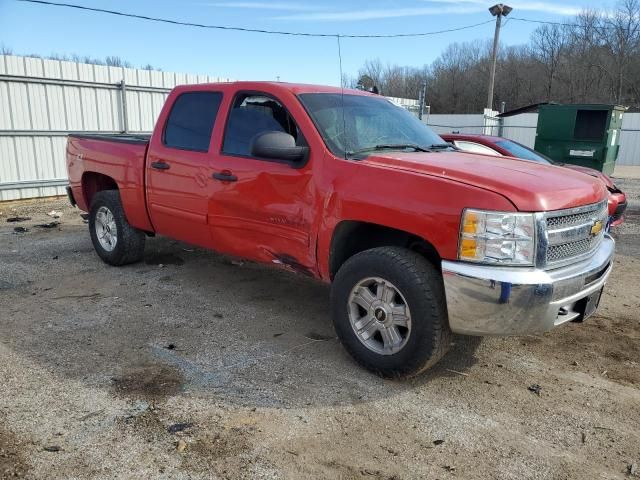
(389, 146)
(440, 146)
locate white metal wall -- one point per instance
(41, 101)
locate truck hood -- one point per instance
(531, 187)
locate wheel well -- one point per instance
(93, 182)
(351, 237)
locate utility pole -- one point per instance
(499, 10)
(422, 100)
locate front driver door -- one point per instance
(261, 209)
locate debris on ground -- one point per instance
(438, 442)
(52, 448)
(632, 469)
(20, 230)
(535, 388)
(18, 219)
(179, 427)
(449, 468)
(48, 225)
(54, 214)
(181, 446)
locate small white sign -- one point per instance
(582, 153)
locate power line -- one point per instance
(546, 22)
(252, 30)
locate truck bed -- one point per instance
(118, 160)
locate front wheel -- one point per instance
(389, 311)
(115, 241)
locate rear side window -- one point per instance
(191, 120)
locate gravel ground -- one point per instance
(190, 365)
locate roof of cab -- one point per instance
(295, 88)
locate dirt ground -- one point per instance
(190, 365)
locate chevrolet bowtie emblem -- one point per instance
(596, 228)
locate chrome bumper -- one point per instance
(488, 300)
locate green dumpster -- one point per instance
(587, 135)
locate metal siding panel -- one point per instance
(52, 69)
(15, 65)
(130, 76)
(59, 156)
(19, 104)
(57, 112)
(116, 74)
(146, 111)
(133, 111)
(89, 110)
(156, 79)
(168, 79)
(69, 70)
(181, 78)
(104, 110)
(33, 67)
(26, 158)
(5, 112)
(85, 72)
(74, 111)
(157, 101)
(630, 140)
(521, 128)
(38, 107)
(101, 74)
(3, 68)
(8, 164)
(144, 78)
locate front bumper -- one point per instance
(488, 300)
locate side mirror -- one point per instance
(278, 146)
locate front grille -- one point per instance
(568, 220)
(558, 253)
(570, 234)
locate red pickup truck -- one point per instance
(418, 240)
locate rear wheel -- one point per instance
(389, 311)
(115, 241)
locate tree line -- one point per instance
(591, 58)
(109, 61)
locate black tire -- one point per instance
(421, 285)
(129, 247)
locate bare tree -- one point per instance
(621, 33)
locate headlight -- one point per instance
(504, 238)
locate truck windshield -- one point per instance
(356, 125)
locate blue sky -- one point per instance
(33, 28)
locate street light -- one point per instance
(499, 10)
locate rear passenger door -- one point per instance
(177, 169)
(261, 208)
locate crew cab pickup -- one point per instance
(417, 239)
